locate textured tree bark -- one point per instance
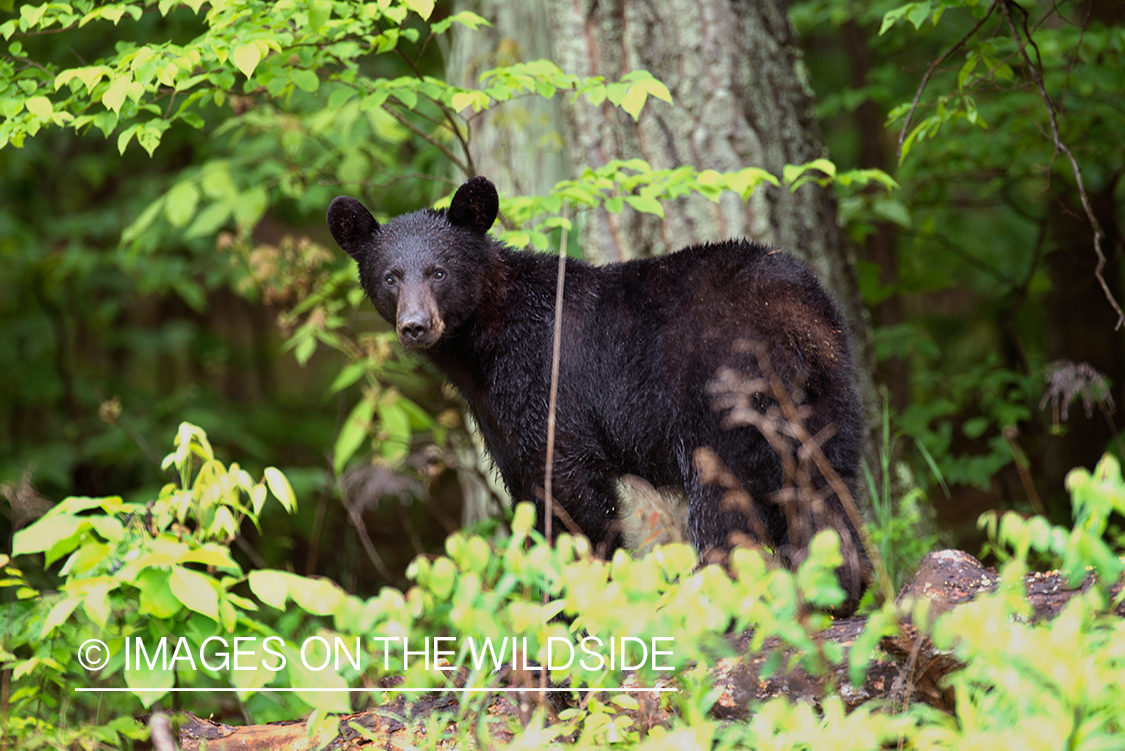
(740, 99)
(519, 146)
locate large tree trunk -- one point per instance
(740, 99)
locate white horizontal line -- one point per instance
(377, 690)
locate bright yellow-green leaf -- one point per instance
(442, 576)
(657, 89)
(824, 166)
(47, 532)
(271, 587)
(195, 590)
(114, 96)
(634, 101)
(40, 106)
(60, 611)
(474, 99)
(645, 205)
(317, 596)
(422, 7)
(280, 487)
(319, 13)
(303, 677)
(96, 602)
(246, 58)
(140, 675)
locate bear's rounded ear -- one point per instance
(475, 205)
(351, 225)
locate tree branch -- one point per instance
(1095, 225)
(930, 71)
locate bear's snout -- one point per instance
(413, 331)
(418, 326)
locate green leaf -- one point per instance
(394, 424)
(305, 80)
(105, 122)
(918, 14)
(250, 206)
(975, 427)
(125, 136)
(246, 58)
(156, 598)
(180, 203)
(280, 487)
(114, 96)
(465, 18)
(40, 106)
(422, 7)
(140, 675)
(303, 677)
(347, 377)
(271, 587)
(58, 615)
(195, 590)
(319, 13)
(634, 101)
(142, 222)
(353, 433)
(208, 221)
(645, 205)
(891, 16)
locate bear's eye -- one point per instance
(389, 280)
(439, 274)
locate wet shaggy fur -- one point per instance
(641, 341)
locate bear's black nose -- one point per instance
(413, 330)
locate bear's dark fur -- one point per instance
(641, 341)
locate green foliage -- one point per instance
(155, 570)
(988, 206)
(1091, 544)
(139, 571)
(1046, 684)
(163, 569)
(898, 524)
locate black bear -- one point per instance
(642, 342)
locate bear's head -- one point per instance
(424, 270)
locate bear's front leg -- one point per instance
(583, 503)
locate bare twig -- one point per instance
(1010, 433)
(1095, 225)
(781, 430)
(469, 168)
(356, 519)
(552, 400)
(427, 138)
(930, 71)
(548, 499)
